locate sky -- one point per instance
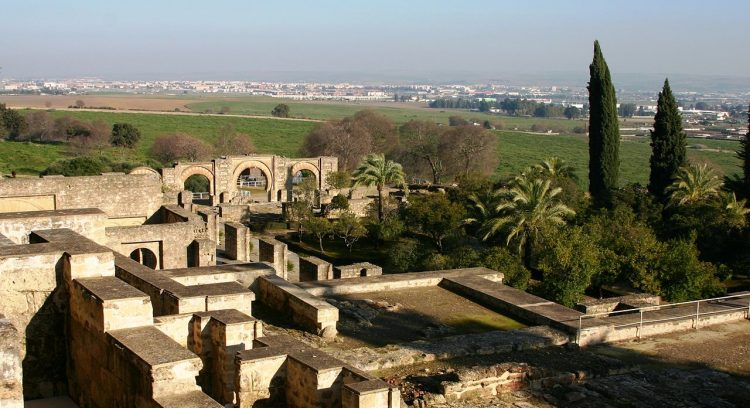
(408, 40)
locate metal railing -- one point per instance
(201, 196)
(695, 313)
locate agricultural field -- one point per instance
(517, 149)
(269, 136)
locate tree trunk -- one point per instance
(380, 203)
(527, 248)
(320, 241)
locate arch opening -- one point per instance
(200, 186)
(253, 183)
(145, 257)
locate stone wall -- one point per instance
(313, 314)
(11, 385)
(170, 242)
(88, 222)
(313, 269)
(357, 270)
(117, 195)
(273, 252)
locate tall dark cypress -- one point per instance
(604, 131)
(668, 151)
(744, 155)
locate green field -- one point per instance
(28, 158)
(520, 150)
(517, 150)
(398, 112)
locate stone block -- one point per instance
(237, 241)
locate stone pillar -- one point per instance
(274, 252)
(236, 241)
(204, 252)
(185, 200)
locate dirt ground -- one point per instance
(709, 367)
(399, 316)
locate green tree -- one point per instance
(12, 123)
(318, 227)
(668, 148)
(125, 135)
(743, 153)
(435, 216)
(693, 184)
(627, 110)
(421, 140)
(555, 168)
(500, 259)
(376, 170)
(339, 202)
(571, 112)
(604, 131)
(339, 179)
(297, 211)
(281, 111)
(568, 259)
(528, 206)
(683, 276)
(349, 228)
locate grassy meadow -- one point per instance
(516, 150)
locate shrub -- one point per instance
(339, 202)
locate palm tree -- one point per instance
(376, 170)
(736, 211)
(528, 206)
(692, 184)
(555, 167)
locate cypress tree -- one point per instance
(604, 131)
(744, 155)
(668, 151)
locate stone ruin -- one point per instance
(110, 293)
(120, 291)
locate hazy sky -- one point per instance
(212, 39)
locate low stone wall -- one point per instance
(313, 314)
(357, 270)
(233, 213)
(607, 305)
(493, 342)
(273, 252)
(314, 269)
(11, 382)
(394, 281)
(88, 222)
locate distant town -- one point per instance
(706, 114)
